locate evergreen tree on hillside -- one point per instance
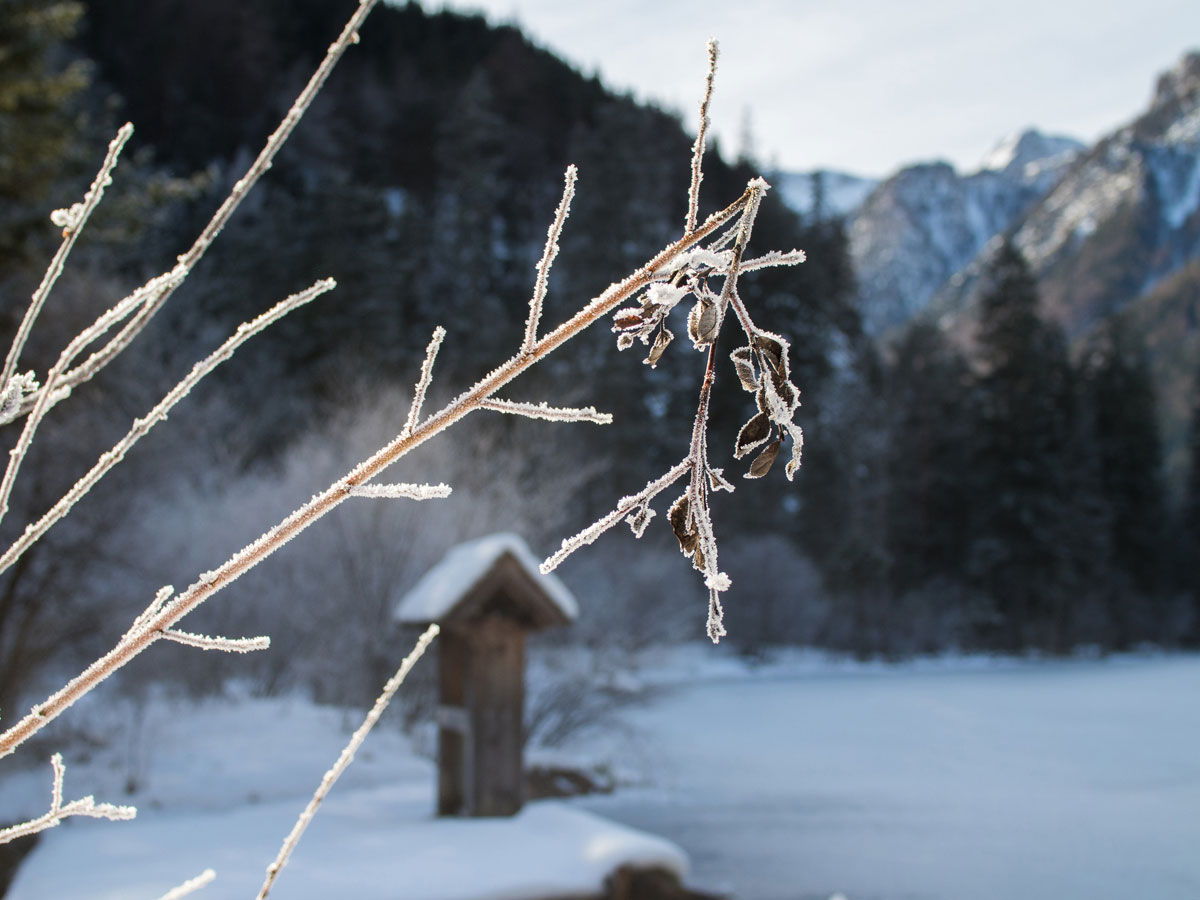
(929, 492)
(37, 122)
(1189, 531)
(1121, 392)
(1030, 509)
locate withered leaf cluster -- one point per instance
(763, 370)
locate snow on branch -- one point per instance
(547, 260)
(402, 491)
(431, 353)
(71, 221)
(228, 645)
(345, 758)
(190, 886)
(698, 147)
(549, 413)
(85, 806)
(141, 427)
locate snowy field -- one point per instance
(951, 780)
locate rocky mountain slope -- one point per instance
(920, 227)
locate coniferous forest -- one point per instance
(998, 491)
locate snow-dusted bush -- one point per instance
(700, 271)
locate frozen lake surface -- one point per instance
(971, 780)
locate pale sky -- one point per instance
(868, 85)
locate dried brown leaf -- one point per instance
(660, 345)
(762, 463)
(684, 532)
(702, 322)
(753, 433)
(743, 362)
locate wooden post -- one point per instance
(496, 707)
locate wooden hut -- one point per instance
(486, 595)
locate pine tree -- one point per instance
(37, 122)
(1029, 515)
(1121, 394)
(928, 498)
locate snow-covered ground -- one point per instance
(221, 785)
(962, 779)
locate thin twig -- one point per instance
(431, 353)
(141, 427)
(547, 260)
(549, 413)
(345, 758)
(693, 212)
(85, 806)
(227, 645)
(190, 886)
(625, 506)
(402, 491)
(72, 221)
(257, 169)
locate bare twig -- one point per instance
(431, 353)
(549, 413)
(345, 758)
(402, 491)
(698, 147)
(71, 221)
(257, 169)
(547, 260)
(85, 806)
(625, 507)
(190, 886)
(142, 426)
(227, 645)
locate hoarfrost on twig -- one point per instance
(698, 147)
(402, 491)
(439, 334)
(549, 413)
(345, 758)
(141, 427)
(626, 506)
(227, 645)
(190, 886)
(547, 260)
(71, 221)
(85, 806)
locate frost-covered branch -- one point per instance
(636, 507)
(209, 583)
(402, 491)
(85, 806)
(547, 260)
(142, 426)
(71, 221)
(431, 353)
(227, 645)
(190, 886)
(698, 147)
(345, 758)
(258, 168)
(549, 413)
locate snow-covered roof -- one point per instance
(464, 569)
